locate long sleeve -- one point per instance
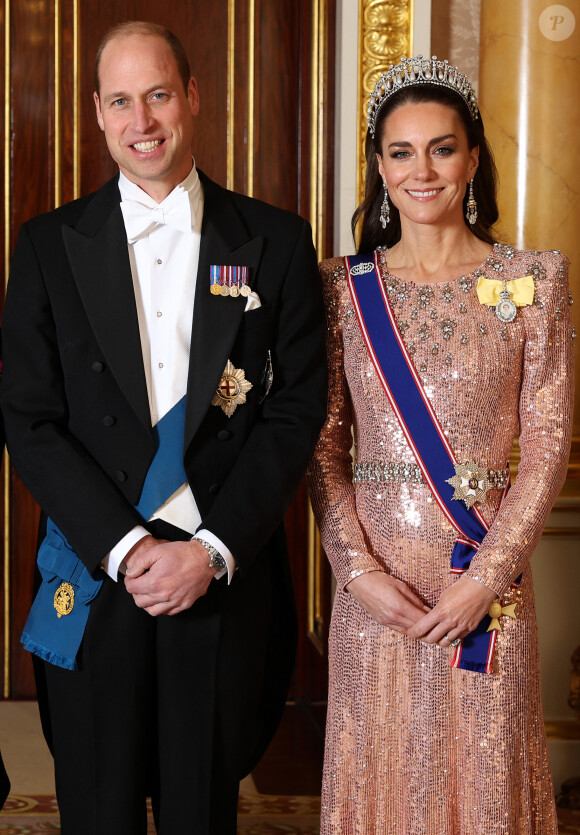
(545, 416)
(330, 473)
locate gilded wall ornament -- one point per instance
(384, 38)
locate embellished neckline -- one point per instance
(493, 262)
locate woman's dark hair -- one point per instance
(484, 183)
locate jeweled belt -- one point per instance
(370, 471)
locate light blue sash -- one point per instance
(58, 616)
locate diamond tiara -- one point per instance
(418, 70)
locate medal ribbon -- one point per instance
(233, 278)
(423, 433)
(216, 278)
(521, 290)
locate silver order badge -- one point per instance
(505, 309)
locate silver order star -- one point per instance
(232, 389)
(471, 483)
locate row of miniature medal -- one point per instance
(229, 281)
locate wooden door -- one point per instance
(265, 70)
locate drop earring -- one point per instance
(471, 213)
(385, 214)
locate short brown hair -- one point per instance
(143, 27)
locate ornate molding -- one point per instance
(76, 101)
(230, 95)
(316, 627)
(385, 36)
(6, 572)
(318, 122)
(251, 95)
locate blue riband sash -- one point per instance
(58, 616)
(166, 473)
(55, 639)
(423, 433)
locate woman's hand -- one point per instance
(387, 600)
(458, 611)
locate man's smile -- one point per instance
(148, 146)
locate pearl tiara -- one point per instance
(418, 70)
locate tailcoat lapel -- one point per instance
(98, 255)
(216, 319)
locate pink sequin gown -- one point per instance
(414, 747)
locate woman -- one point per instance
(438, 339)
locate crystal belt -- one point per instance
(372, 471)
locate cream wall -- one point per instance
(556, 570)
(347, 108)
(346, 123)
(451, 28)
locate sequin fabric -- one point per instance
(413, 746)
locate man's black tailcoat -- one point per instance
(210, 681)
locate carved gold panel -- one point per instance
(385, 36)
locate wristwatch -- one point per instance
(215, 558)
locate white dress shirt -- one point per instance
(164, 263)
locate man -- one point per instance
(121, 310)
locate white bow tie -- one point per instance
(141, 219)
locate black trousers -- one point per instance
(4, 783)
(167, 707)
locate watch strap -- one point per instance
(216, 560)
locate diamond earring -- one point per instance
(385, 214)
(471, 213)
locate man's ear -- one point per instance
(98, 110)
(193, 96)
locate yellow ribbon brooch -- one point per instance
(506, 296)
